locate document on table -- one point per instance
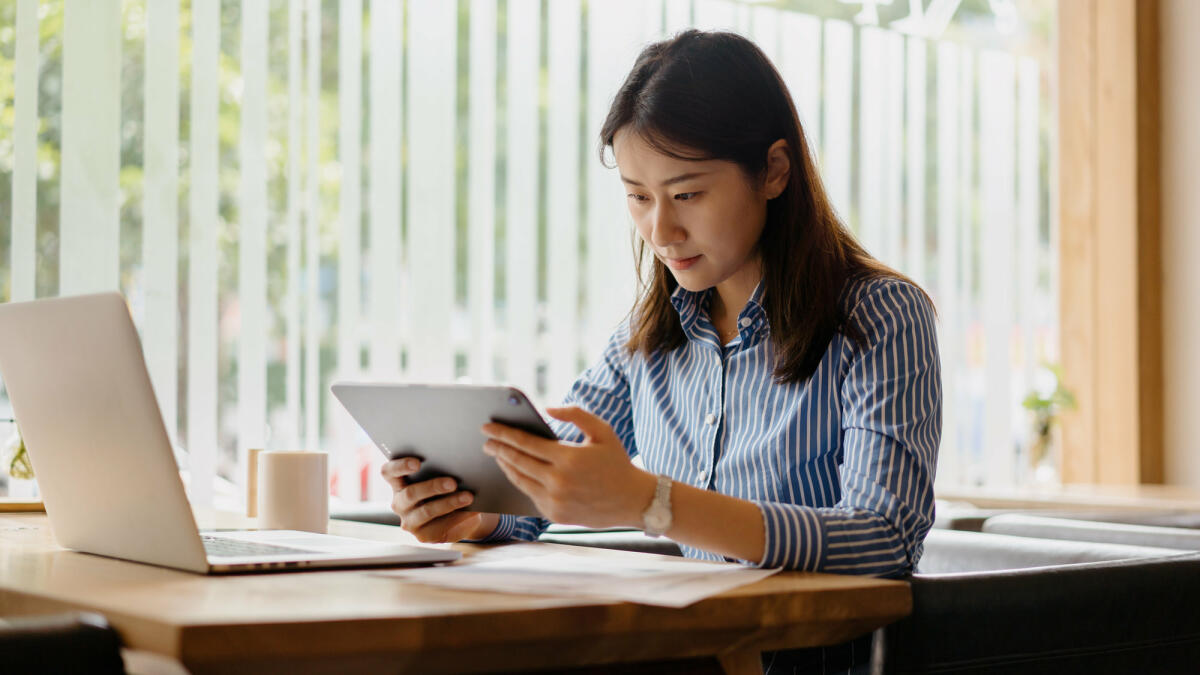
(611, 575)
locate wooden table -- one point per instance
(355, 621)
(8, 505)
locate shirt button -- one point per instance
(745, 322)
(703, 476)
(710, 419)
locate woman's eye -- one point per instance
(685, 196)
(637, 198)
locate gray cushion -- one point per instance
(951, 551)
(1092, 531)
(1154, 518)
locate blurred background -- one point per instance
(292, 193)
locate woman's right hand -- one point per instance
(432, 509)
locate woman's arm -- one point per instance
(707, 520)
(593, 483)
(891, 420)
(891, 428)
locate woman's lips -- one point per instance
(681, 263)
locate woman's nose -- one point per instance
(664, 231)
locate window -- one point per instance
(290, 193)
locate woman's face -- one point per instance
(702, 219)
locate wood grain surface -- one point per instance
(357, 621)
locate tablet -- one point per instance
(439, 424)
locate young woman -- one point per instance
(781, 386)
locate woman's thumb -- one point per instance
(593, 427)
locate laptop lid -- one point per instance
(79, 388)
(75, 375)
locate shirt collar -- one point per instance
(754, 309)
(690, 306)
(752, 320)
(693, 315)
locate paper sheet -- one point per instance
(631, 577)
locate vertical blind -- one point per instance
(291, 193)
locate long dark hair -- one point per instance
(715, 95)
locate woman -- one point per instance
(781, 386)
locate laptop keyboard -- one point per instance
(221, 546)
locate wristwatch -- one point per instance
(656, 519)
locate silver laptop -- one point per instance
(80, 392)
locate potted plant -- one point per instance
(1046, 404)
(19, 466)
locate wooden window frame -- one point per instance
(1110, 240)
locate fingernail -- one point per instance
(463, 499)
(447, 484)
(411, 465)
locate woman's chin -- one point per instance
(691, 281)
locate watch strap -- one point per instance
(656, 520)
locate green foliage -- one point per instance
(1048, 406)
(20, 466)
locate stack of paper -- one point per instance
(612, 575)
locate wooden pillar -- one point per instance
(1110, 289)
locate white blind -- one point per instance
(948, 291)
(349, 253)
(252, 239)
(24, 135)
(88, 226)
(836, 164)
(481, 189)
(288, 430)
(384, 187)
(312, 226)
(799, 55)
(521, 212)
(202, 377)
(997, 168)
(563, 194)
(160, 215)
(411, 191)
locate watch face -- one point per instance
(658, 518)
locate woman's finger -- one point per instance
(415, 493)
(535, 470)
(524, 483)
(535, 446)
(435, 508)
(395, 471)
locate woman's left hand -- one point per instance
(592, 483)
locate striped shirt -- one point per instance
(841, 465)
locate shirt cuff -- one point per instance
(503, 532)
(793, 537)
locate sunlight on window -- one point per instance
(291, 193)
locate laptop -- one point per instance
(80, 392)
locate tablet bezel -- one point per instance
(440, 425)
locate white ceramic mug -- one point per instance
(293, 490)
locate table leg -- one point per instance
(741, 662)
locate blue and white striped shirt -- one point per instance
(842, 465)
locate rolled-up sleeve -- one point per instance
(891, 428)
(602, 390)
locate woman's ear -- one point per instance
(779, 168)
